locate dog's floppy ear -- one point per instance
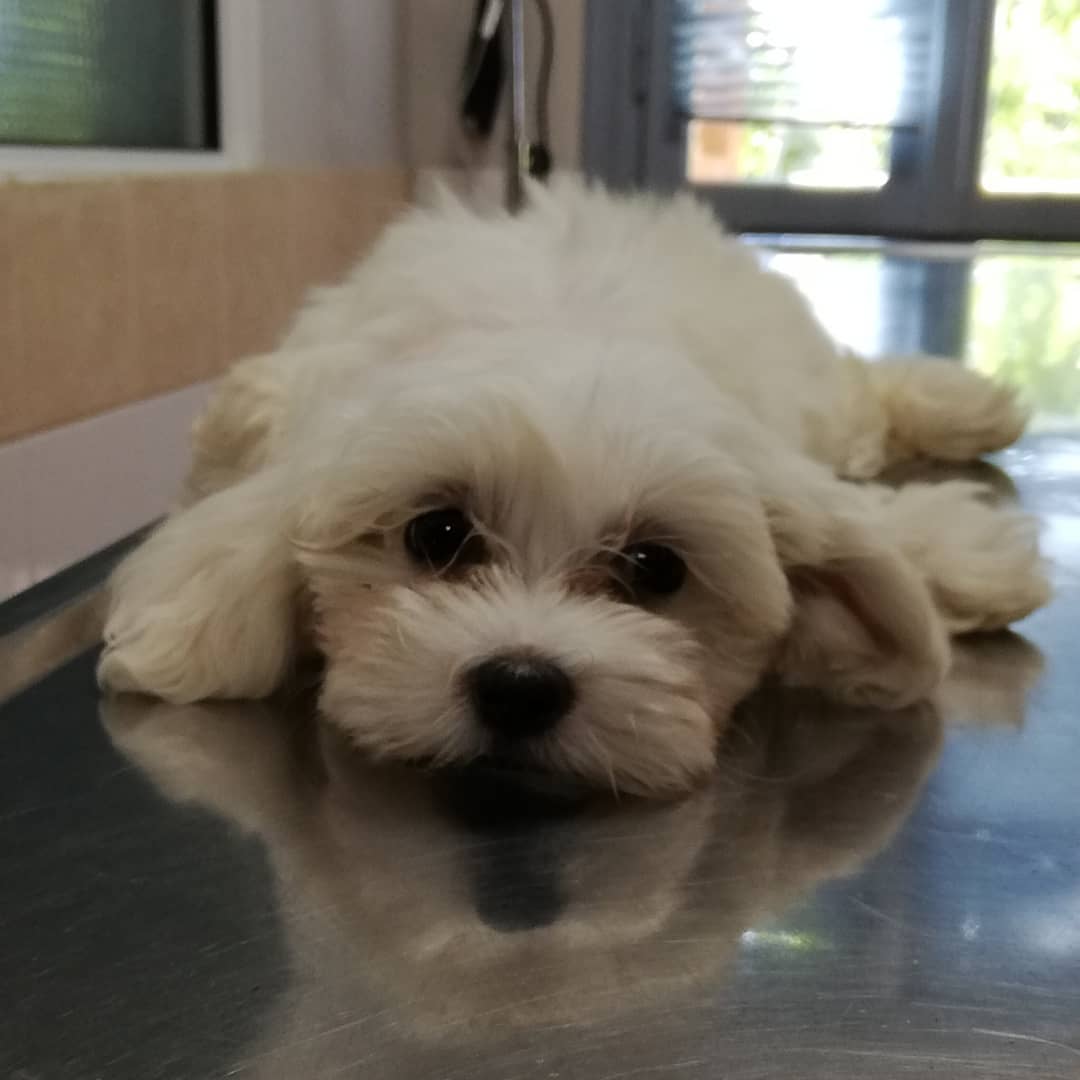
(864, 628)
(206, 607)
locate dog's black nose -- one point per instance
(518, 695)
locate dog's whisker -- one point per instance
(604, 758)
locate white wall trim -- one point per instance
(241, 46)
(36, 163)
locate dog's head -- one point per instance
(579, 561)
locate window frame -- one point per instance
(633, 137)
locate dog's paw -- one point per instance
(940, 409)
(981, 562)
(144, 659)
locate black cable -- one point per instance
(543, 77)
(482, 79)
(483, 76)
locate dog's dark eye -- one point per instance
(653, 570)
(441, 539)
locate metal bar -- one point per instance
(517, 166)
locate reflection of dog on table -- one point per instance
(406, 909)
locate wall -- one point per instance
(340, 103)
(121, 297)
(119, 290)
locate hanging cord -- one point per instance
(540, 158)
(483, 78)
(484, 74)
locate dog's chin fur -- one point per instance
(594, 374)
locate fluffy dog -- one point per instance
(563, 488)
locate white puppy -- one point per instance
(563, 488)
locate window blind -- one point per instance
(846, 62)
(126, 73)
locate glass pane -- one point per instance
(1025, 329)
(1009, 313)
(125, 73)
(780, 61)
(842, 287)
(833, 156)
(1032, 141)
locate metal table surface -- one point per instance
(229, 891)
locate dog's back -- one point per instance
(622, 267)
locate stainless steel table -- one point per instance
(228, 891)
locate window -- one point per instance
(1010, 313)
(768, 96)
(108, 73)
(1032, 140)
(950, 119)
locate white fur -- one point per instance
(596, 371)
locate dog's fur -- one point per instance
(595, 372)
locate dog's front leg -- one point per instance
(205, 608)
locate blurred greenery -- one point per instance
(48, 89)
(99, 72)
(1024, 327)
(1032, 135)
(1025, 315)
(830, 155)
